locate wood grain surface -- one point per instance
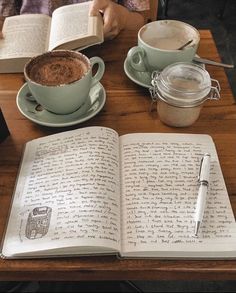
(126, 111)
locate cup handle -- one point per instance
(136, 58)
(100, 71)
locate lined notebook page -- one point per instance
(68, 193)
(159, 193)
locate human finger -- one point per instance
(109, 20)
(1, 25)
(112, 33)
(97, 6)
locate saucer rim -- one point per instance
(63, 124)
(126, 65)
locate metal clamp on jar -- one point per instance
(180, 91)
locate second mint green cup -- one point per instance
(158, 44)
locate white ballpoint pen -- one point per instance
(203, 179)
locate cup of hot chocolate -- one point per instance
(60, 80)
(163, 42)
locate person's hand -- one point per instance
(114, 16)
(1, 25)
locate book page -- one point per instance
(159, 194)
(68, 194)
(72, 22)
(25, 36)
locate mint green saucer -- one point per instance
(142, 78)
(34, 112)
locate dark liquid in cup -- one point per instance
(57, 69)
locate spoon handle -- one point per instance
(185, 45)
(211, 62)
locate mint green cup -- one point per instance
(158, 44)
(64, 98)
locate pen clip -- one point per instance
(203, 175)
(200, 170)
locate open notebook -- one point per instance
(89, 191)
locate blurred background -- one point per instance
(219, 16)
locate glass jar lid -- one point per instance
(184, 84)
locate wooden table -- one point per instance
(126, 110)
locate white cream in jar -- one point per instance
(180, 90)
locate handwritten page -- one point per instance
(67, 194)
(159, 193)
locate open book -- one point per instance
(28, 35)
(89, 191)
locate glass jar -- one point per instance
(180, 91)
